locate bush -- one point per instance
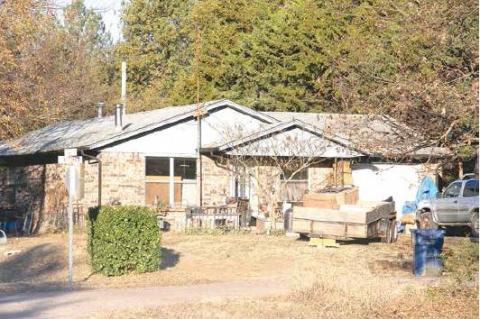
(123, 239)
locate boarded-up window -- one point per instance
(158, 177)
(296, 185)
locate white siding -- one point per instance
(296, 142)
(180, 140)
(377, 182)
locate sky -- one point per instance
(110, 11)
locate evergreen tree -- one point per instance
(416, 61)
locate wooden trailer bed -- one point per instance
(362, 220)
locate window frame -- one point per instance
(295, 178)
(170, 179)
(451, 186)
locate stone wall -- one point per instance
(215, 182)
(39, 190)
(123, 178)
(21, 189)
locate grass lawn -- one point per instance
(359, 279)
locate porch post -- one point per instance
(199, 159)
(171, 182)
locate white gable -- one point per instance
(181, 138)
(295, 142)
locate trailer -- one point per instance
(360, 220)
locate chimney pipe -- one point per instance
(100, 109)
(118, 116)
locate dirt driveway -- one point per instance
(90, 303)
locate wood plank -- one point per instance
(326, 229)
(329, 203)
(364, 213)
(347, 196)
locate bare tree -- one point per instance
(274, 156)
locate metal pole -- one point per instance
(70, 232)
(199, 161)
(199, 118)
(124, 86)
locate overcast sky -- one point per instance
(110, 11)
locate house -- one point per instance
(150, 158)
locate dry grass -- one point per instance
(190, 259)
(357, 280)
(334, 295)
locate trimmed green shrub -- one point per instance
(123, 239)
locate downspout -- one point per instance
(199, 162)
(99, 161)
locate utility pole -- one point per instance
(123, 96)
(198, 115)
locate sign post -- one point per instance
(73, 182)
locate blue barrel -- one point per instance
(427, 247)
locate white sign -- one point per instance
(70, 160)
(74, 181)
(70, 152)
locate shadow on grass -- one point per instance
(359, 241)
(344, 242)
(31, 264)
(457, 231)
(169, 258)
(30, 305)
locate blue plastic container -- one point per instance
(427, 247)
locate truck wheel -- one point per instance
(474, 224)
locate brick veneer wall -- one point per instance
(40, 189)
(21, 188)
(123, 178)
(215, 182)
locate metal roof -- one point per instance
(98, 132)
(376, 135)
(372, 134)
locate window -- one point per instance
(157, 166)
(471, 188)
(186, 168)
(172, 188)
(296, 185)
(453, 190)
(301, 175)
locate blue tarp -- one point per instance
(426, 190)
(409, 207)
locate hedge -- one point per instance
(123, 239)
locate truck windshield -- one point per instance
(471, 188)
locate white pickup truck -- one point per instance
(456, 206)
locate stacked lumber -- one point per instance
(331, 200)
